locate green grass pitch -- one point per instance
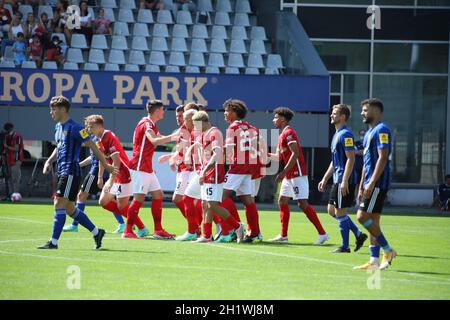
(150, 269)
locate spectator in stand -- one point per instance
(14, 28)
(184, 5)
(13, 146)
(31, 26)
(152, 4)
(33, 3)
(54, 51)
(36, 50)
(19, 49)
(85, 22)
(51, 3)
(102, 25)
(44, 29)
(443, 193)
(5, 19)
(60, 16)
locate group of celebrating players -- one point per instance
(203, 190)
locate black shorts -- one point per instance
(374, 204)
(89, 184)
(340, 202)
(68, 187)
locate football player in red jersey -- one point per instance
(118, 185)
(146, 138)
(211, 180)
(241, 153)
(294, 176)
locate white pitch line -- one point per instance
(25, 220)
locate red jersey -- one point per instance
(12, 139)
(241, 147)
(110, 145)
(196, 154)
(288, 136)
(184, 138)
(143, 149)
(259, 170)
(212, 139)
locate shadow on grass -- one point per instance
(289, 244)
(423, 257)
(132, 251)
(421, 272)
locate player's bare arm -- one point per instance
(86, 162)
(383, 158)
(326, 177)
(361, 185)
(116, 163)
(294, 156)
(214, 158)
(157, 140)
(350, 154)
(101, 157)
(49, 162)
(100, 182)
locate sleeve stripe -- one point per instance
(292, 142)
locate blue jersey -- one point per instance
(378, 137)
(342, 141)
(94, 164)
(69, 137)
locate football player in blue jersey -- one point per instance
(70, 136)
(342, 169)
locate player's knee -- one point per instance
(302, 204)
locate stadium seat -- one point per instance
(257, 46)
(200, 31)
(258, 33)
(112, 67)
(214, 70)
(8, 7)
(243, 6)
(47, 9)
(127, 4)
(184, 17)
(140, 29)
(274, 61)
(238, 46)
(126, 15)
(157, 58)
(218, 45)
(177, 59)
(116, 56)
(70, 66)
(255, 61)
(224, 6)
(91, 12)
(61, 37)
(197, 59)
(121, 29)
(91, 67)
(241, 19)
(9, 54)
(159, 44)
(78, 41)
(204, 5)
(231, 70)
(99, 42)
(235, 60)
(50, 65)
(136, 57)
(25, 9)
(132, 68)
(271, 71)
(96, 56)
(109, 4)
(152, 68)
(222, 19)
(178, 44)
(160, 30)
(219, 32)
(119, 43)
(251, 71)
(173, 69)
(7, 64)
(216, 60)
(180, 31)
(164, 17)
(109, 14)
(75, 55)
(192, 69)
(198, 45)
(145, 16)
(139, 43)
(239, 33)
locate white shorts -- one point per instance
(194, 189)
(256, 185)
(144, 182)
(182, 182)
(122, 190)
(296, 188)
(212, 192)
(241, 183)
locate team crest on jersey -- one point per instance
(83, 133)
(348, 142)
(384, 138)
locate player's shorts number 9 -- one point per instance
(296, 191)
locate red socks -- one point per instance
(232, 222)
(157, 213)
(251, 213)
(112, 206)
(191, 214)
(312, 216)
(206, 230)
(198, 212)
(285, 214)
(132, 214)
(180, 205)
(228, 204)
